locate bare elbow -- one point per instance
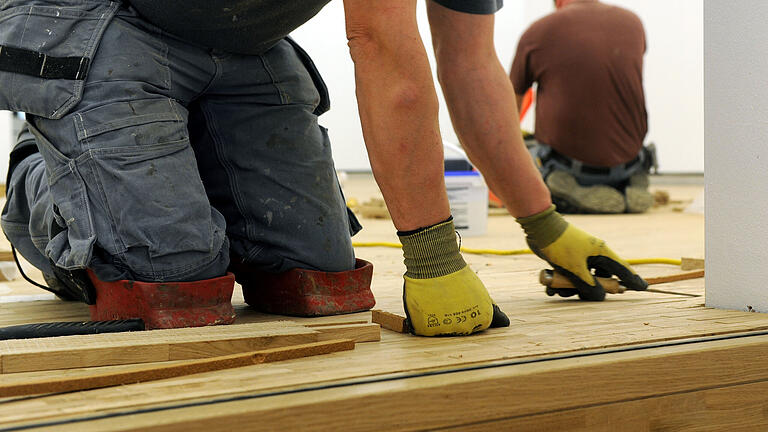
(362, 43)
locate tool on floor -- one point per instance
(559, 284)
(556, 283)
(51, 329)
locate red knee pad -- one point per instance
(301, 292)
(165, 304)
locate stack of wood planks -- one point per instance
(183, 352)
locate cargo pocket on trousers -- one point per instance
(72, 234)
(143, 169)
(45, 50)
(158, 206)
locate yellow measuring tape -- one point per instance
(637, 261)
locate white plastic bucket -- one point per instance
(468, 196)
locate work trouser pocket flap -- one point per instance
(151, 208)
(317, 79)
(72, 235)
(45, 50)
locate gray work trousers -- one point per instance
(168, 156)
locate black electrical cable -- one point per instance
(24, 275)
(385, 379)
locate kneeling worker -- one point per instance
(186, 145)
(587, 59)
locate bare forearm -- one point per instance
(398, 111)
(482, 104)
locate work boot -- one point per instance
(306, 293)
(74, 285)
(638, 198)
(584, 199)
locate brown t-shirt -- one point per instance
(587, 59)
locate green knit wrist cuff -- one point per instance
(432, 252)
(542, 229)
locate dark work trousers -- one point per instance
(616, 176)
(169, 156)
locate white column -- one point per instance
(736, 153)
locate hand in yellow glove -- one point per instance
(441, 294)
(573, 252)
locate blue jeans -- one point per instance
(169, 156)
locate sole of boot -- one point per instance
(589, 199)
(639, 200)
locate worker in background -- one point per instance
(183, 141)
(587, 59)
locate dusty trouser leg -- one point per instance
(123, 175)
(267, 167)
(126, 200)
(27, 213)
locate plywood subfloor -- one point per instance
(542, 327)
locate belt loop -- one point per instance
(576, 166)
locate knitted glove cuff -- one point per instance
(432, 251)
(542, 229)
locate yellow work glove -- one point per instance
(573, 252)
(441, 294)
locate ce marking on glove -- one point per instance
(462, 318)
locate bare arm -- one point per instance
(481, 102)
(398, 110)
(519, 98)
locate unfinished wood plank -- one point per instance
(6, 256)
(389, 321)
(486, 394)
(375, 208)
(366, 332)
(98, 380)
(691, 263)
(65, 352)
(331, 324)
(675, 277)
(740, 407)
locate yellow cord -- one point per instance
(670, 261)
(638, 261)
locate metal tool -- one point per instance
(51, 329)
(559, 284)
(556, 283)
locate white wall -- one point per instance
(673, 75)
(736, 109)
(6, 141)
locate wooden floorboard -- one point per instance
(541, 326)
(732, 408)
(720, 378)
